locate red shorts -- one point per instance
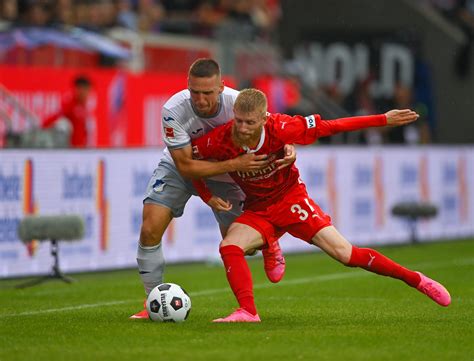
(295, 213)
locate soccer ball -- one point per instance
(168, 302)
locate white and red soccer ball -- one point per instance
(168, 302)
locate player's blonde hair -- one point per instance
(251, 100)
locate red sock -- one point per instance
(239, 276)
(373, 261)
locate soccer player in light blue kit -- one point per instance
(189, 114)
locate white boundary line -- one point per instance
(296, 281)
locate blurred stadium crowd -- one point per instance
(461, 14)
(258, 20)
(196, 17)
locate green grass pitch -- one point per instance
(320, 311)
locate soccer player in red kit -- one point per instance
(74, 108)
(277, 200)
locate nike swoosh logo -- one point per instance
(143, 272)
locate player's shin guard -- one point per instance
(239, 276)
(376, 262)
(151, 265)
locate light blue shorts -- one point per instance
(167, 188)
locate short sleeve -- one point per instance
(174, 136)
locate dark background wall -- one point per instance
(439, 43)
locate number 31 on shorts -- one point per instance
(296, 208)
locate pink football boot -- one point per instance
(142, 314)
(274, 262)
(239, 315)
(434, 290)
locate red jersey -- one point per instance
(77, 113)
(266, 186)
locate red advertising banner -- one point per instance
(125, 107)
(282, 93)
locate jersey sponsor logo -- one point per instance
(168, 119)
(310, 121)
(255, 175)
(169, 132)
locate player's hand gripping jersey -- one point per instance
(266, 186)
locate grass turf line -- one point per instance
(321, 310)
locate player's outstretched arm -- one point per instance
(193, 168)
(396, 117)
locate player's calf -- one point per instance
(373, 261)
(151, 264)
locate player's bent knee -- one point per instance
(339, 252)
(346, 263)
(148, 236)
(226, 242)
(331, 242)
(343, 256)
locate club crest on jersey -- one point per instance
(310, 121)
(169, 132)
(158, 186)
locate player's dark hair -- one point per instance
(82, 81)
(204, 68)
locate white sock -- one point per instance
(151, 265)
